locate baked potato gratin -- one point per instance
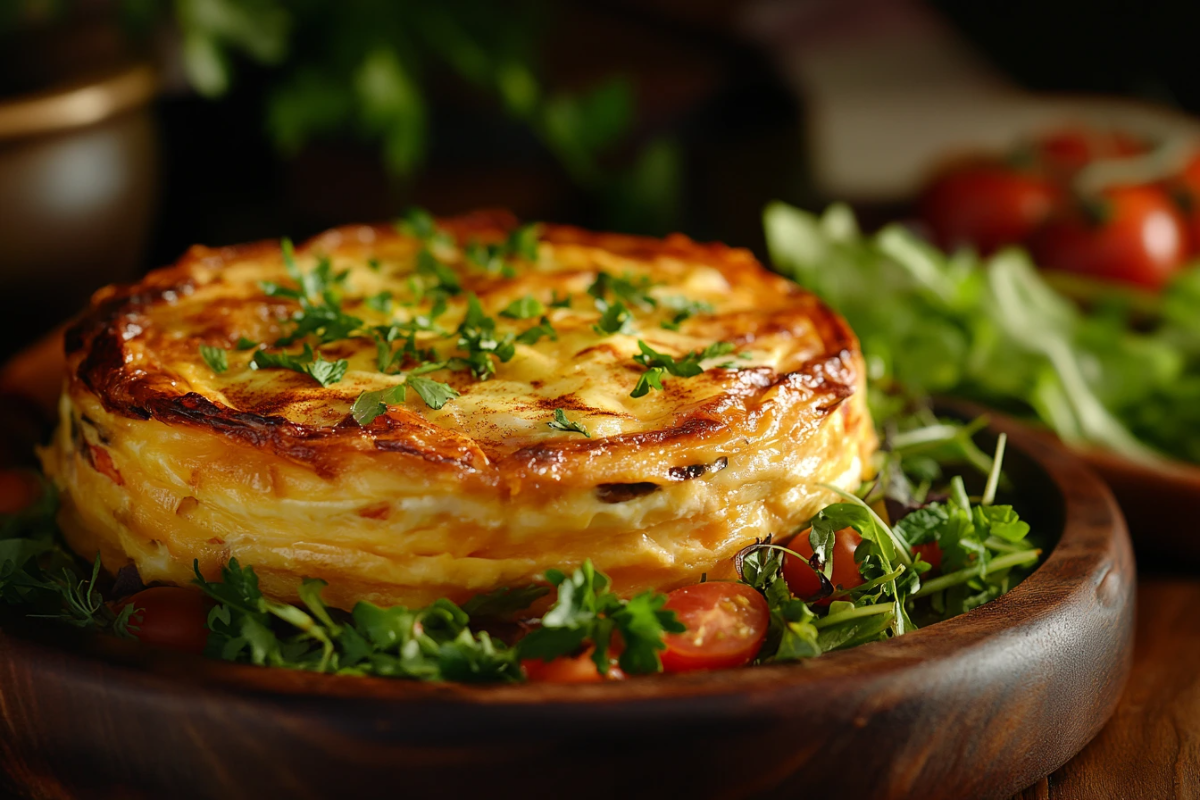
(443, 408)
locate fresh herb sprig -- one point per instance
(561, 423)
(306, 362)
(658, 365)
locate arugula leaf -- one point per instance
(216, 358)
(561, 423)
(323, 372)
(526, 307)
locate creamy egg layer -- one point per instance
(173, 448)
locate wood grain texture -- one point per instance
(1151, 747)
(979, 706)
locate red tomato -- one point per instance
(569, 669)
(1140, 239)
(1064, 152)
(931, 553)
(801, 578)
(1186, 190)
(726, 625)
(987, 206)
(170, 616)
(18, 490)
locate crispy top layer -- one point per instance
(138, 350)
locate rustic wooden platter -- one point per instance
(980, 706)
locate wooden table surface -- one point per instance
(1150, 749)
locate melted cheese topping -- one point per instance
(161, 460)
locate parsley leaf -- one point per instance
(477, 336)
(445, 279)
(323, 372)
(585, 611)
(659, 365)
(628, 290)
(526, 307)
(496, 259)
(245, 344)
(616, 318)
(435, 393)
(535, 334)
(684, 309)
(381, 302)
(216, 358)
(561, 423)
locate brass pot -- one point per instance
(78, 182)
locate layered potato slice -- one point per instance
(173, 448)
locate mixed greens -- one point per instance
(1116, 375)
(977, 549)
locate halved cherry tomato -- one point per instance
(801, 578)
(18, 490)
(569, 669)
(931, 553)
(1134, 235)
(987, 206)
(170, 616)
(726, 625)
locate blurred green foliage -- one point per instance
(360, 69)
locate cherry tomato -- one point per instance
(1186, 191)
(569, 669)
(726, 625)
(801, 578)
(170, 616)
(1066, 151)
(931, 553)
(987, 206)
(1137, 237)
(18, 490)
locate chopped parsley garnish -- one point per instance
(245, 344)
(318, 294)
(323, 372)
(445, 279)
(561, 423)
(434, 394)
(586, 611)
(216, 358)
(535, 334)
(617, 318)
(560, 302)
(659, 365)
(496, 259)
(526, 307)
(478, 338)
(381, 302)
(684, 309)
(633, 292)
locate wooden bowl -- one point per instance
(979, 706)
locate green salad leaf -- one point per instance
(993, 330)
